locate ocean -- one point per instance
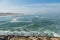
(30, 25)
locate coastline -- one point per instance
(16, 37)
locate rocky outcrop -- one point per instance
(28, 38)
(35, 38)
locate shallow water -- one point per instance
(29, 26)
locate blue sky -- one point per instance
(38, 1)
(30, 6)
(25, 2)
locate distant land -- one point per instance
(11, 14)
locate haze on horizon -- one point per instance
(30, 6)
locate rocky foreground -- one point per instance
(28, 38)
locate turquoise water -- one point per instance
(29, 25)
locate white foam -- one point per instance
(55, 34)
(13, 20)
(41, 17)
(21, 33)
(25, 33)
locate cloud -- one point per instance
(26, 10)
(32, 8)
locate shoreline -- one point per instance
(16, 37)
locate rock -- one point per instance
(11, 37)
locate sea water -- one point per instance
(30, 25)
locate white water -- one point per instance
(24, 33)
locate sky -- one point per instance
(30, 6)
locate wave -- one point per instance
(29, 26)
(25, 33)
